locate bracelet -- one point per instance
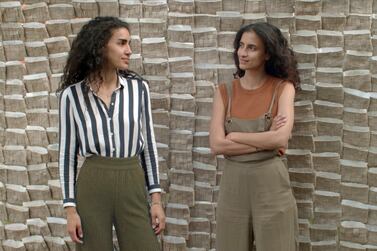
(155, 203)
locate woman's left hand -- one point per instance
(231, 136)
(158, 218)
(278, 121)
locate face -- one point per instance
(251, 52)
(117, 51)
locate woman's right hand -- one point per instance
(74, 225)
(278, 122)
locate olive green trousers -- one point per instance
(111, 191)
(256, 203)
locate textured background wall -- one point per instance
(184, 48)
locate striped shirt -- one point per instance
(88, 127)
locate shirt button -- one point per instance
(112, 103)
(111, 134)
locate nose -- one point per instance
(241, 52)
(128, 50)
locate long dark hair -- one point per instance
(86, 57)
(282, 62)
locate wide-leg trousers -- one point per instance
(111, 191)
(256, 203)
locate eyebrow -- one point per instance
(248, 44)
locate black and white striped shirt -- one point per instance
(125, 129)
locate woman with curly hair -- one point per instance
(105, 116)
(251, 123)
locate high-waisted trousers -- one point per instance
(111, 191)
(256, 203)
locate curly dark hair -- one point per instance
(86, 60)
(282, 62)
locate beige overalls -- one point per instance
(256, 201)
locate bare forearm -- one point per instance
(263, 140)
(70, 210)
(229, 147)
(156, 197)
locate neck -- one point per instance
(110, 78)
(253, 79)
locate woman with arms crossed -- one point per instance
(105, 116)
(251, 123)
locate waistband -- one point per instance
(111, 163)
(254, 163)
(254, 157)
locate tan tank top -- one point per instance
(259, 124)
(250, 104)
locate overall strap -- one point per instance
(229, 90)
(274, 96)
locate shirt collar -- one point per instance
(121, 85)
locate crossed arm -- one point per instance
(237, 143)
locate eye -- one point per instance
(123, 42)
(252, 48)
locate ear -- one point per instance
(267, 57)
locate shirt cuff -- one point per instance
(69, 203)
(155, 190)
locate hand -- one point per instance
(158, 218)
(278, 121)
(74, 225)
(230, 136)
